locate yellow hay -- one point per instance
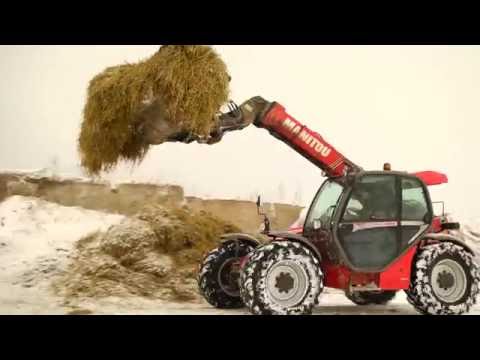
(190, 81)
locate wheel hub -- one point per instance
(228, 277)
(449, 281)
(287, 283)
(284, 283)
(445, 280)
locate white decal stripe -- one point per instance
(373, 225)
(412, 223)
(384, 224)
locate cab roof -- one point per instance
(430, 178)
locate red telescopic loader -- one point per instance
(368, 233)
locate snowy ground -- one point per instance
(333, 303)
(36, 238)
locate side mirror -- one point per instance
(317, 224)
(266, 220)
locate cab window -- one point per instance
(414, 200)
(373, 198)
(324, 203)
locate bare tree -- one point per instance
(299, 195)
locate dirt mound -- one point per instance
(153, 255)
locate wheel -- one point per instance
(445, 280)
(370, 297)
(219, 275)
(281, 278)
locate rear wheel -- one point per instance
(218, 279)
(282, 278)
(370, 297)
(445, 280)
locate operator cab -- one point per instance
(368, 220)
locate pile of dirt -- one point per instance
(179, 88)
(154, 255)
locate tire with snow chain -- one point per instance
(218, 278)
(445, 280)
(281, 278)
(370, 297)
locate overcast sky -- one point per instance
(416, 107)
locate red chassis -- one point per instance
(397, 275)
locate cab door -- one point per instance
(369, 227)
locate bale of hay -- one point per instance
(180, 88)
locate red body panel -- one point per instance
(305, 141)
(436, 225)
(336, 277)
(431, 178)
(340, 277)
(397, 276)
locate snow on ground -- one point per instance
(332, 302)
(36, 238)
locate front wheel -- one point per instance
(445, 280)
(281, 278)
